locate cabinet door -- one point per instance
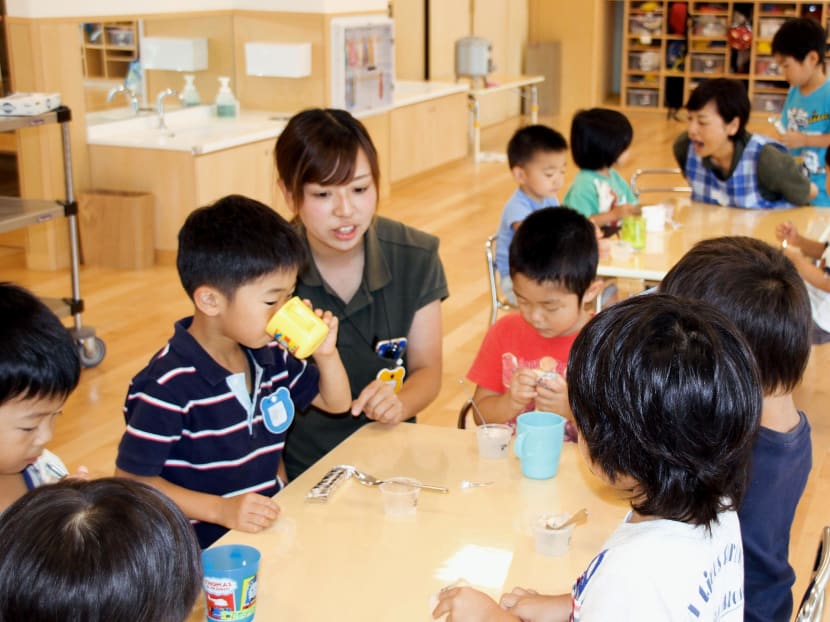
(247, 169)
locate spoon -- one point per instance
(370, 480)
(574, 518)
(472, 401)
(465, 483)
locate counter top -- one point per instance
(408, 92)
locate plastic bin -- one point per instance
(645, 24)
(642, 97)
(707, 63)
(644, 61)
(768, 102)
(709, 25)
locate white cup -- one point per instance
(655, 217)
(400, 497)
(493, 440)
(553, 542)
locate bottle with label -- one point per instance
(190, 95)
(226, 104)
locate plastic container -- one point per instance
(226, 104)
(190, 94)
(768, 102)
(708, 63)
(297, 328)
(642, 97)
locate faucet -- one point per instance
(160, 106)
(128, 93)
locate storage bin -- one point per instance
(707, 63)
(766, 66)
(768, 102)
(645, 24)
(768, 26)
(642, 97)
(117, 228)
(644, 61)
(122, 36)
(709, 25)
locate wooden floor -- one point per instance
(133, 313)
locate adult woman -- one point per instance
(383, 280)
(727, 165)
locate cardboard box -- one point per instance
(29, 104)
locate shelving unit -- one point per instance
(661, 65)
(108, 48)
(17, 213)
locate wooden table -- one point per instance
(700, 221)
(345, 560)
(526, 85)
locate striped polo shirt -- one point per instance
(194, 424)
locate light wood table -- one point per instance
(526, 85)
(345, 560)
(693, 222)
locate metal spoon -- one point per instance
(574, 518)
(465, 483)
(370, 480)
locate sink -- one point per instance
(116, 114)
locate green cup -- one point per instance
(634, 231)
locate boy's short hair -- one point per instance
(759, 288)
(38, 357)
(104, 549)
(234, 241)
(556, 244)
(730, 97)
(798, 37)
(599, 136)
(665, 391)
(530, 140)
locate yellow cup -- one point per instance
(297, 328)
(634, 231)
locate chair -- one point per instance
(637, 190)
(466, 409)
(812, 605)
(497, 302)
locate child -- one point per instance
(106, 549)
(798, 47)
(600, 139)
(537, 156)
(553, 263)
(39, 368)
(726, 165)
(207, 417)
(666, 399)
(759, 288)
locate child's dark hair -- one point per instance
(730, 97)
(599, 136)
(530, 140)
(234, 241)
(665, 391)
(759, 288)
(798, 37)
(104, 549)
(556, 244)
(320, 146)
(38, 357)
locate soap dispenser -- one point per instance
(190, 95)
(226, 104)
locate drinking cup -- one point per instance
(493, 440)
(655, 217)
(297, 328)
(549, 541)
(400, 497)
(634, 231)
(230, 582)
(539, 438)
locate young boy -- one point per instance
(207, 417)
(760, 289)
(798, 47)
(666, 398)
(105, 549)
(39, 368)
(553, 264)
(537, 156)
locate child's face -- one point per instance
(245, 316)
(709, 133)
(548, 307)
(26, 426)
(795, 72)
(336, 217)
(543, 176)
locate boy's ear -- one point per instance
(812, 55)
(518, 174)
(593, 290)
(208, 300)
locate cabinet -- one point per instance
(108, 48)
(662, 62)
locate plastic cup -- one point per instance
(400, 497)
(539, 438)
(493, 440)
(230, 582)
(655, 217)
(297, 328)
(634, 231)
(548, 541)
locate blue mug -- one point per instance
(539, 439)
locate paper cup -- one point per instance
(230, 582)
(655, 217)
(553, 542)
(399, 497)
(493, 440)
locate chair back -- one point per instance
(637, 190)
(466, 409)
(497, 302)
(812, 605)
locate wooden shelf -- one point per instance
(108, 48)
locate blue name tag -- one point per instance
(277, 410)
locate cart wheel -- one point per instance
(91, 351)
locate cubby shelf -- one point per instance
(108, 48)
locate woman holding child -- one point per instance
(384, 280)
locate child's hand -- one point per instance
(793, 140)
(625, 209)
(80, 473)
(329, 345)
(522, 389)
(378, 401)
(250, 512)
(787, 231)
(552, 395)
(465, 603)
(530, 605)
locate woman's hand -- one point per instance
(378, 401)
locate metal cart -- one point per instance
(16, 213)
